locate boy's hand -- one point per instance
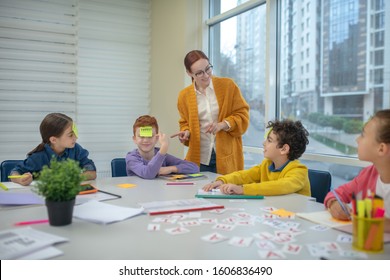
(164, 143)
(25, 180)
(212, 185)
(231, 189)
(165, 170)
(183, 136)
(337, 211)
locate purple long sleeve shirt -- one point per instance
(137, 165)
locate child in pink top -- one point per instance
(373, 146)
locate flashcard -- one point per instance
(344, 238)
(240, 241)
(177, 230)
(317, 250)
(295, 231)
(271, 255)
(292, 248)
(292, 224)
(268, 216)
(243, 215)
(164, 220)
(146, 131)
(230, 220)
(217, 211)
(214, 237)
(282, 239)
(224, 227)
(319, 228)
(190, 223)
(177, 216)
(207, 221)
(353, 255)
(265, 245)
(153, 227)
(245, 223)
(331, 246)
(273, 223)
(264, 235)
(268, 209)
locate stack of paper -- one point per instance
(177, 206)
(103, 213)
(28, 243)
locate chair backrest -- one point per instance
(118, 167)
(320, 183)
(6, 167)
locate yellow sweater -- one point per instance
(232, 108)
(259, 180)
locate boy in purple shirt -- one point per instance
(148, 161)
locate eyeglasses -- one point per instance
(207, 71)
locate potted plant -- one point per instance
(59, 184)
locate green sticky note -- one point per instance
(75, 130)
(146, 131)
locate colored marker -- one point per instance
(25, 223)
(15, 176)
(4, 187)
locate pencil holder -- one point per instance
(368, 234)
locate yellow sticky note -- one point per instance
(75, 130)
(267, 133)
(126, 185)
(146, 131)
(283, 213)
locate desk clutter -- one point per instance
(282, 238)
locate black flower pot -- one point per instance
(60, 212)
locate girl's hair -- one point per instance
(145, 120)
(192, 57)
(383, 133)
(290, 133)
(53, 124)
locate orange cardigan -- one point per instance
(232, 108)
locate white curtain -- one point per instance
(87, 59)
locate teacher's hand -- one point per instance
(183, 135)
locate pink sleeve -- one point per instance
(361, 183)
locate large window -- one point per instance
(322, 62)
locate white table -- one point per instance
(130, 239)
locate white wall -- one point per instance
(176, 30)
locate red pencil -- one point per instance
(25, 223)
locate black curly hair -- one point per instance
(291, 133)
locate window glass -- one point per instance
(238, 51)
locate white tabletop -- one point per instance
(130, 239)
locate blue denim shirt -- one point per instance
(36, 161)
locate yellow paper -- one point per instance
(283, 213)
(146, 131)
(126, 185)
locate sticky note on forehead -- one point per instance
(75, 130)
(267, 133)
(146, 131)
